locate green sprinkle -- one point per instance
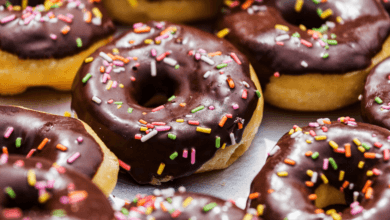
(326, 46)
(326, 55)
(319, 11)
(332, 42)
(366, 146)
(130, 110)
(174, 155)
(171, 211)
(321, 29)
(172, 136)
(316, 1)
(125, 211)
(170, 201)
(7, 3)
(86, 78)
(378, 100)
(55, 6)
(177, 66)
(296, 34)
(218, 142)
(135, 200)
(79, 42)
(333, 163)
(58, 213)
(18, 142)
(333, 36)
(197, 109)
(258, 93)
(118, 103)
(315, 155)
(172, 98)
(209, 206)
(10, 192)
(222, 65)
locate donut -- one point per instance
(65, 142)
(327, 170)
(309, 55)
(168, 204)
(386, 4)
(35, 189)
(166, 106)
(44, 42)
(132, 11)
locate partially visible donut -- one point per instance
(341, 165)
(44, 42)
(309, 55)
(67, 142)
(36, 189)
(170, 100)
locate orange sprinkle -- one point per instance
(182, 104)
(319, 211)
(348, 150)
(61, 147)
(88, 17)
(327, 122)
(222, 122)
(240, 126)
(218, 53)
(143, 121)
(312, 196)
(366, 186)
(289, 161)
(230, 82)
(65, 30)
(131, 41)
(309, 184)
(254, 195)
(345, 184)
(308, 153)
(102, 69)
(5, 150)
(111, 56)
(270, 191)
(141, 202)
(142, 30)
(369, 155)
(247, 4)
(369, 193)
(168, 29)
(43, 143)
(135, 58)
(163, 207)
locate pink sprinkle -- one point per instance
(374, 135)
(201, 51)
(105, 63)
(53, 36)
(211, 107)
(158, 123)
(64, 200)
(50, 183)
(386, 154)
(32, 151)
(71, 186)
(159, 25)
(104, 78)
(118, 63)
(8, 19)
(29, 19)
(280, 43)
(227, 61)
(40, 185)
(235, 106)
(376, 172)
(80, 139)
(114, 84)
(354, 204)
(276, 74)
(150, 126)
(229, 115)
(325, 164)
(38, 165)
(163, 128)
(356, 210)
(73, 158)
(339, 150)
(110, 101)
(108, 69)
(120, 216)
(8, 132)
(197, 56)
(3, 158)
(161, 37)
(235, 58)
(69, 15)
(322, 43)
(138, 136)
(153, 52)
(132, 78)
(137, 25)
(185, 153)
(158, 108)
(192, 156)
(64, 18)
(387, 107)
(313, 124)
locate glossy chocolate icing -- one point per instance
(377, 85)
(365, 27)
(386, 4)
(33, 40)
(289, 199)
(62, 188)
(117, 127)
(33, 127)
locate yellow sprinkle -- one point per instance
(361, 164)
(309, 173)
(307, 132)
(281, 27)
(115, 51)
(143, 129)
(222, 33)
(88, 59)
(203, 130)
(24, 3)
(333, 144)
(17, 8)
(31, 178)
(330, 211)
(148, 41)
(341, 175)
(339, 20)
(298, 5)
(48, 5)
(247, 217)
(320, 138)
(67, 114)
(157, 42)
(97, 12)
(187, 202)
(108, 87)
(119, 106)
(298, 129)
(361, 149)
(323, 177)
(328, 12)
(302, 27)
(121, 85)
(336, 216)
(133, 3)
(149, 210)
(224, 145)
(291, 132)
(357, 142)
(308, 141)
(260, 209)
(161, 168)
(44, 197)
(282, 173)
(180, 120)
(370, 173)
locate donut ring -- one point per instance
(159, 140)
(342, 163)
(47, 45)
(67, 142)
(35, 189)
(299, 68)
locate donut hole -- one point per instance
(328, 197)
(32, 3)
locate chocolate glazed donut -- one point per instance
(64, 141)
(211, 97)
(350, 158)
(287, 38)
(35, 189)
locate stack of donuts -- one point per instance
(151, 101)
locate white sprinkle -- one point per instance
(182, 189)
(96, 100)
(378, 156)
(250, 11)
(82, 6)
(207, 60)
(282, 37)
(53, 20)
(304, 64)
(117, 203)
(21, 22)
(189, 116)
(273, 151)
(71, 5)
(355, 196)
(170, 61)
(97, 21)
(232, 139)
(321, 120)
(119, 69)
(148, 136)
(157, 192)
(351, 186)
(207, 74)
(38, 16)
(314, 177)
(330, 24)
(1, 8)
(153, 68)
(105, 56)
(296, 134)
(169, 192)
(360, 97)
(245, 84)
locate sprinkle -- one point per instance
(315, 155)
(185, 153)
(298, 5)
(332, 42)
(12, 213)
(320, 138)
(222, 33)
(222, 122)
(328, 12)
(197, 109)
(281, 27)
(160, 168)
(180, 120)
(171, 98)
(88, 59)
(5, 150)
(306, 43)
(187, 202)
(386, 154)
(366, 186)
(209, 206)
(193, 155)
(170, 61)
(148, 136)
(325, 164)
(361, 164)
(370, 155)
(10, 192)
(158, 108)
(230, 82)
(73, 158)
(232, 138)
(333, 144)
(124, 165)
(324, 179)
(308, 153)
(105, 56)
(8, 132)
(312, 197)
(31, 178)
(282, 174)
(222, 65)
(190, 122)
(357, 142)
(97, 12)
(289, 162)
(171, 136)
(254, 195)
(61, 147)
(145, 29)
(18, 142)
(8, 19)
(153, 68)
(86, 78)
(207, 60)
(258, 93)
(207, 74)
(361, 149)
(58, 213)
(282, 37)
(203, 130)
(333, 163)
(304, 64)
(366, 146)
(174, 155)
(378, 100)
(244, 94)
(129, 110)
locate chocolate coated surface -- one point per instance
(117, 128)
(290, 196)
(33, 127)
(33, 40)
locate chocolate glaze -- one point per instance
(33, 127)
(94, 206)
(117, 128)
(194, 208)
(33, 40)
(366, 26)
(386, 4)
(290, 197)
(377, 85)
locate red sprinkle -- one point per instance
(158, 123)
(324, 129)
(235, 58)
(244, 94)
(378, 145)
(306, 43)
(229, 115)
(158, 108)
(277, 74)
(386, 155)
(193, 122)
(124, 165)
(280, 43)
(312, 133)
(32, 151)
(138, 136)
